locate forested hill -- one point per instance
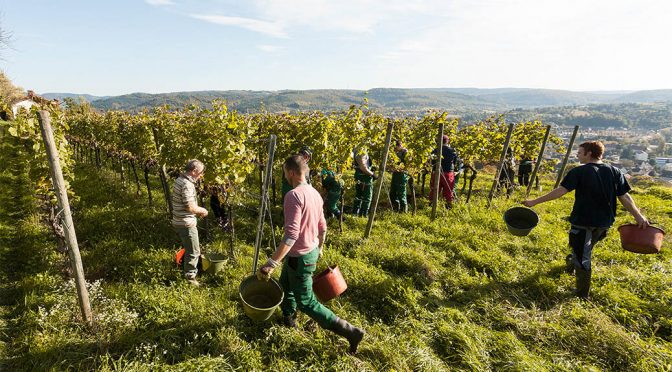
(387, 100)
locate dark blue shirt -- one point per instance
(595, 201)
(449, 160)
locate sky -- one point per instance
(154, 46)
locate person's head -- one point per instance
(590, 151)
(398, 144)
(445, 140)
(295, 169)
(194, 168)
(306, 152)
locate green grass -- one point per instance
(459, 293)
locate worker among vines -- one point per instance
(507, 174)
(449, 165)
(306, 153)
(333, 187)
(399, 179)
(364, 178)
(185, 211)
(597, 186)
(302, 245)
(525, 170)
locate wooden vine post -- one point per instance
(379, 184)
(561, 173)
(163, 175)
(264, 199)
(66, 214)
(437, 170)
(501, 164)
(539, 159)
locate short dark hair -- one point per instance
(297, 164)
(596, 148)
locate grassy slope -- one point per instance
(457, 293)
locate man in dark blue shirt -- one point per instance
(449, 165)
(597, 187)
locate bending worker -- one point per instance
(305, 232)
(333, 186)
(597, 186)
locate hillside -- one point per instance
(459, 293)
(387, 100)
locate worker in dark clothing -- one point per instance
(597, 186)
(333, 187)
(449, 164)
(399, 180)
(507, 174)
(524, 171)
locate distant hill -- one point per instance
(61, 96)
(386, 100)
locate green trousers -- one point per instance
(363, 193)
(296, 280)
(398, 191)
(192, 249)
(333, 200)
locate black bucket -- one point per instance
(520, 220)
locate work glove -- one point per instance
(264, 273)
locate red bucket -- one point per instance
(179, 255)
(329, 284)
(644, 241)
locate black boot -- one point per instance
(290, 321)
(353, 334)
(582, 283)
(569, 264)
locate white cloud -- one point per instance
(159, 2)
(269, 48)
(355, 16)
(269, 28)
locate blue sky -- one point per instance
(124, 46)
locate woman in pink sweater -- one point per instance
(305, 231)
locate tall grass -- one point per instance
(458, 293)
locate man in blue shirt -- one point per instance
(597, 187)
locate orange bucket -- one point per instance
(329, 284)
(644, 241)
(178, 257)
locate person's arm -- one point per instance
(293, 214)
(363, 167)
(192, 206)
(630, 206)
(554, 194)
(321, 232)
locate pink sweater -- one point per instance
(304, 219)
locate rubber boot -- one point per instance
(351, 333)
(569, 264)
(582, 283)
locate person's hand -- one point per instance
(529, 203)
(203, 213)
(642, 222)
(264, 272)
